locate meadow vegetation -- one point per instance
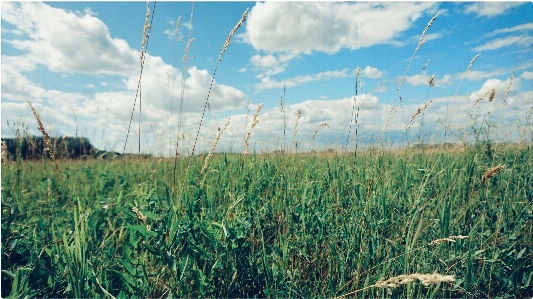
(425, 221)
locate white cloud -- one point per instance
(372, 72)
(490, 8)
(300, 27)
(523, 40)
(268, 83)
(270, 64)
(16, 86)
(380, 89)
(500, 88)
(67, 43)
(478, 75)
(64, 41)
(523, 27)
(423, 79)
(527, 75)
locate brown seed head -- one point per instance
(492, 93)
(40, 127)
(431, 81)
(490, 173)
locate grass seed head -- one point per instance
(139, 214)
(4, 152)
(471, 63)
(425, 279)
(145, 28)
(419, 110)
(449, 239)
(492, 93)
(254, 122)
(213, 146)
(490, 173)
(228, 40)
(40, 127)
(508, 88)
(431, 81)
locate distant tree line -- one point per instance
(33, 147)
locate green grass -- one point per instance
(280, 225)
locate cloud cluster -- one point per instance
(285, 30)
(300, 27)
(268, 83)
(73, 43)
(491, 8)
(64, 41)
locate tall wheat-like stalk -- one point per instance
(46, 138)
(396, 281)
(144, 48)
(213, 146)
(224, 47)
(4, 153)
(421, 41)
(298, 115)
(254, 122)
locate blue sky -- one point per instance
(78, 63)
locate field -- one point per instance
(280, 225)
(429, 220)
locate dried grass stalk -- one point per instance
(145, 34)
(471, 63)
(213, 146)
(449, 239)
(4, 153)
(254, 122)
(425, 279)
(491, 92)
(422, 40)
(298, 115)
(418, 111)
(508, 88)
(40, 127)
(490, 173)
(228, 40)
(431, 81)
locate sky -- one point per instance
(79, 65)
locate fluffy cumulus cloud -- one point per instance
(527, 75)
(423, 79)
(71, 44)
(52, 43)
(372, 72)
(299, 27)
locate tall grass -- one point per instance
(424, 221)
